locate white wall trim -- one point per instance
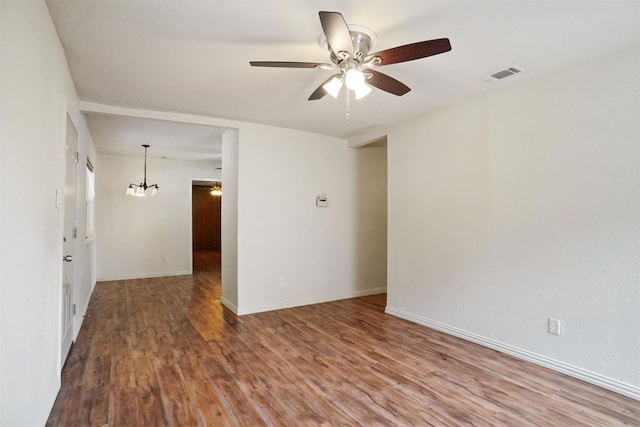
(53, 395)
(144, 275)
(555, 365)
(231, 306)
(304, 301)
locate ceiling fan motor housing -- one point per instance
(363, 39)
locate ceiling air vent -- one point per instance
(503, 74)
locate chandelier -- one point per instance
(139, 190)
(216, 190)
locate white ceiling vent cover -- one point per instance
(504, 73)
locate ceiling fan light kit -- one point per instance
(362, 91)
(348, 47)
(333, 86)
(139, 190)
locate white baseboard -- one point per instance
(52, 396)
(143, 275)
(556, 365)
(231, 306)
(317, 300)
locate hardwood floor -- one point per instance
(164, 351)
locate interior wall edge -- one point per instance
(94, 107)
(231, 306)
(357, 141)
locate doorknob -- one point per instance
(66, 258)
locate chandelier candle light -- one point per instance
(139, 190)
(216, 190)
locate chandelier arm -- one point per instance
(143, 185)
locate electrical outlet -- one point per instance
(166, 259)
(554, 326)
(281, 282)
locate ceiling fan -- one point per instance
(349, 53)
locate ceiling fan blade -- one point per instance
(284, 64)
(386, 83)
(337, 33)
(318, 93)
(409, 52)
(321, 91)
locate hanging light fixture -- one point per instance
(216, 190)
(139, 190)
(353, 79)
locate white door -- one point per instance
(68, 240)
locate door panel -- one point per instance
(206, 222)
(68, 240)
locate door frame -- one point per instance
(69, 235)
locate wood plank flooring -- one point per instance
(163, 351)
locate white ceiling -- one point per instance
(193, 57)
(124, 136)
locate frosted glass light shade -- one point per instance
(140, 192)
(362, 91)
(130, 191)
(354, 79)
(155, 191)
(333, 86)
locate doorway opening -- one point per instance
(206, 220)
(371, 214)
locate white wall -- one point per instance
(369, 172)
(318, 252)
(135, 234)
(230, 220)
(523, 204)
(36, 91)
(282, 234)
